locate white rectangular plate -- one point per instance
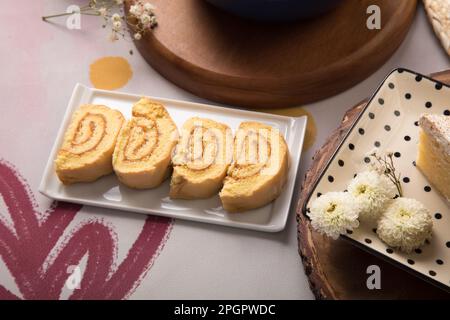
(109, 193)
(389, 122)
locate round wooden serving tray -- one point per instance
(252, 64)
(336, 269)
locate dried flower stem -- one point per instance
(388, 169)
(141, 17)
(83, 10)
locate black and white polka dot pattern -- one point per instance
(390, 123)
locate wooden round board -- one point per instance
(227, 59)
(336, 269)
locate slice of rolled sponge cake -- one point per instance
(144, 147)
(201, 159)
(259, 168)
(433, 157)
(88, 145)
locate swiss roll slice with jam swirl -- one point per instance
(259, 168)
(88, 145)
(201, 159)
(143, 151)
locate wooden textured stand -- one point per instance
(337, 269)
(227, 59)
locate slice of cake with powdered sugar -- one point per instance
(433, 157)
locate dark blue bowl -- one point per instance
(275, 10)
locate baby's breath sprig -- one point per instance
(141, 17)
(385, 165)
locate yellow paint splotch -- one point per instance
(110, 73)
(311, 129)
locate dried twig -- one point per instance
(387, 167)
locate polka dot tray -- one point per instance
(389, 122)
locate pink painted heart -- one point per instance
(38, 256)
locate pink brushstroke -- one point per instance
(25, 249)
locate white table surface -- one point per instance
(41, 64)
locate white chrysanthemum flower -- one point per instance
(334, 213)
(406, 224)
(372, 193)
(137, 36)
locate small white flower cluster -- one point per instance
(144, 18)
(141, 16)
(367, 196)
(116, 21)
(401, 222)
